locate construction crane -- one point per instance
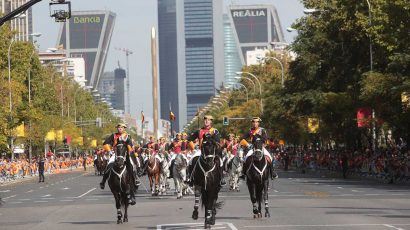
(127, 54)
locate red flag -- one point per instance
(364, 116)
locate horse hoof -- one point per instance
(267, 214)
(255, 216)
(119, 221)
(125, 220)
(195, 214)
(207, 226)
(259, 215)
(212, 221)
(179, 197)
(238, 190)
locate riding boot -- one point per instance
(243, 175)
(171, 169)
(105, 176)
(137, 179)
(273, 174)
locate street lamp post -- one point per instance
(281, 67)
(10, 92)
(247, 78)
(260, 86)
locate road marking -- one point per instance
(91, 199)
(339, 187)
(4, 191)
(65, 188)
(9, 197)
(275, 190)
(14, 202)
(40, 201)
(326, 225)
(48, 195)
(24, 199)
(391, 226)
(48, 198)
(356, 190)
(194, 226)
(29, 191)
(86, 193)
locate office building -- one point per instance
(191, 55)
(254, 27)
(23, 23)
(87, 34)
(111, 87)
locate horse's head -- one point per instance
(257, 143)
(120, 155)
(209, 148)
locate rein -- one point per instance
(202, 168)
(119, 175)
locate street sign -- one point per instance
(226, 121)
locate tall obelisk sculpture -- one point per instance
(154, 80)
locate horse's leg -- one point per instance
(157, 183)
(125, 210)
(266, 196)
(179, 186)
(117, 197)
(209, 201)
(259, 192)
(252, 193)
(150, 177)
(196, 205)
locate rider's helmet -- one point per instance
(121, 125)
(258, 119)
(210, 117)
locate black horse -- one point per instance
(206, 178)
(257, 177)
(119, 182)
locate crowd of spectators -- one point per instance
(391, 164)
(21, 167)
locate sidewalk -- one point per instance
(382, 178)
(54, 172)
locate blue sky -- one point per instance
(132, 31)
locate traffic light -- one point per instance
(226, 121)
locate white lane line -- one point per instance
(14, 202)
(4, 191)
(356, 190)
(391, 226)
(275, 190)
(40, 201)
(65, 188)
(327, 225)
(86, 193)
(194, 226)
(48, 198)
(339, 187)
(48, 195)
(29, 191)
(91, 199)
(5, 198)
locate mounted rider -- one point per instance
(199, 135)
(176, 147)
(231, 146)
(152, 147)
(120, 137)
(257, 130)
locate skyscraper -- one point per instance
(22, 24)
(111, 87)
(87, 34)
(190, 55)
(254, 26)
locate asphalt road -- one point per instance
(73, 200)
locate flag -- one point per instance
(364, 116)
(51, 135)
(94, 143)
(405, 100)
(59, 135)
(171, 116)
(313, 125)
(142, 117)
(20, 130)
